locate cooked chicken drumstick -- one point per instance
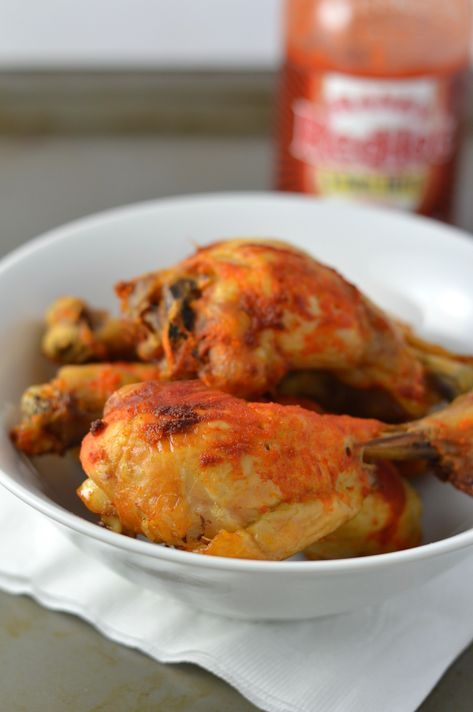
(76, 333)
(389, 520)
(207, 472)
(57, 415)
(242, 314)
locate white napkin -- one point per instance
(382, 658)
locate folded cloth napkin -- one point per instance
(386, 657)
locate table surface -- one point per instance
(53, 661)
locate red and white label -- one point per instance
(373, 139)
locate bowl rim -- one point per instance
(66, 230)
(149, 549)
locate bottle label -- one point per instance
(381, 140)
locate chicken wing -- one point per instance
(242, 314)
(75, 333)
(57, 415)
(204, 471)
(389, 520)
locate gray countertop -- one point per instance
(52, 661)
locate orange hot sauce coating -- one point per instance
(204, 471)
(241, 314)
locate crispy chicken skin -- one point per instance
(204, 471)
(241, 314)
(75, 333)
(57, 415)
(389, 520)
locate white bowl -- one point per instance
(418, 269)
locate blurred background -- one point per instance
(106, 102)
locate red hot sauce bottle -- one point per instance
(371, 100)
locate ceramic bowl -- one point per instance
(418, 269)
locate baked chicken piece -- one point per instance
(242, 314)
(389, 520)
(204, 471)
(75, 333)
(57, 415)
